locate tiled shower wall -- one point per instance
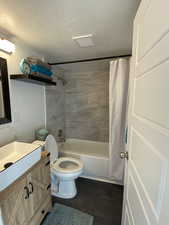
(81, 107)
(87, 105)
(55, 112)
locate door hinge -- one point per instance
(126, 135)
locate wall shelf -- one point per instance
(32, 79)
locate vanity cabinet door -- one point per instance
(27, 200)
(39, 184)
(15, 207)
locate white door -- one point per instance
(146, 199)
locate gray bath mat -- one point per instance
(64, 215)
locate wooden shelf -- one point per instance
(32, 79)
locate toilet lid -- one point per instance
(68, 165)
(52, 147)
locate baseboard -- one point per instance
(102, 180)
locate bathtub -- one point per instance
(95, 156)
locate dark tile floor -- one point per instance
(102, 200)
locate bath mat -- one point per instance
(64, 215)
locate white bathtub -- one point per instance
(95, 156)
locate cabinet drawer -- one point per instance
(42, 211)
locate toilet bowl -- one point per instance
(64, 171)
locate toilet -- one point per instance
(64, 171)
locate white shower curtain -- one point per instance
(118, 94)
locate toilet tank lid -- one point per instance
(52, 146)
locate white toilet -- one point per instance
(64, 171)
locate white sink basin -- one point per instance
(19, 156)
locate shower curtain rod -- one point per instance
(89, 60)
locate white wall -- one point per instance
(27, 101)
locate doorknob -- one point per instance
(124, 155)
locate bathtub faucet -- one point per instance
(60, 136)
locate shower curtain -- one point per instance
(118, 95)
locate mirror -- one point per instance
(5, 108)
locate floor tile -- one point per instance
(100, 199)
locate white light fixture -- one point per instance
(6, 46)
(84, 41)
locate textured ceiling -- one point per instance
(48, 26)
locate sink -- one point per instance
(15, 159)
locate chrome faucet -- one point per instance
(60, 136)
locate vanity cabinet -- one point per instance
(26, 201)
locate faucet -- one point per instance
(60, 136)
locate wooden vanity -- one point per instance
(28, 199)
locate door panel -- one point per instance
(39, 179)
(128, 218)
(152, 177)
(146, 199)
(150, 95)
(154, 57)
(153, 26)
(135, 204)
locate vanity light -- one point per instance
(6, 46)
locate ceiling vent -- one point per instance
(84, 41)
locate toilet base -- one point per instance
(67, 189)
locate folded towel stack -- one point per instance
(36, 67)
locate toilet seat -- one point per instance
(67, 165)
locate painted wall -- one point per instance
(87, 104)
(27, 101)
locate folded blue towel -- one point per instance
(41, 69)
(28, 68)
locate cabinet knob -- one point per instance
(43, 211)
(31, 185)
(48, 163)
(27, 192)
(49, 186)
